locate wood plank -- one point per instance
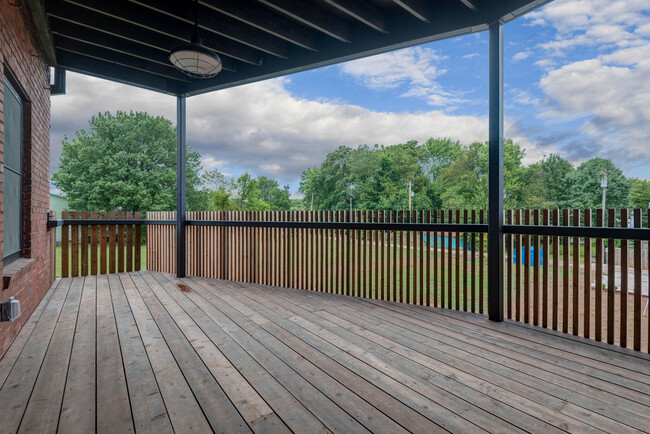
(18, 386)
(349, 401)
(9, 358)
(212, 322)
(74, 229)
(220, 412)
(481, 244)
(575, 272)
(545, 276)
(565, 274)
(120, 244)
(147, 406)
(556, 271)
(113, 406)
(137, 244)
(638, 282)
(93, 245)
(129, 243)
(624, 283)
(586, 311)
(535, 257)
(183, 409)
(383, 362)
(111, 244)
(42, 412)
(78, 408)
(83, 231)
(65, 247)
(526, 262)
(611, 282)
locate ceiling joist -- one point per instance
(362, 11)
(127, 46)
(312, 16)
(217, 23)
(418, 8)
(470, 4)
(101, 53)
(107, 16)
(253, 14)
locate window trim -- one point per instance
(11, 86)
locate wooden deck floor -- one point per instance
(136, 352)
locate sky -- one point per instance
(577, 83)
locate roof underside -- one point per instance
(129, 40)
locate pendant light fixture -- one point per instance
(194, 59)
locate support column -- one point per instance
(181, 193)
(495, 203)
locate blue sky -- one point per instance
(576, 82)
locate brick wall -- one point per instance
(22, 57)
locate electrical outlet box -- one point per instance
(10, 310)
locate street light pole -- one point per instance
(603, 184)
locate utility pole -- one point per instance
(350, 203)
(409, 197)
(603, 184)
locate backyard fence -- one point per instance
(90, 249)
(595, 288)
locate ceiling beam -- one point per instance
(110, 15)
(362, 11)
(470, 5)
(111, 71)
(120, 44)
(312, 16)
(418, 8)
(254, 15)
(101, 53)
(213, 22)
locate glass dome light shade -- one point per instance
(195, 60)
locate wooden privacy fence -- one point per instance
(570, 284)
(100, 248)
(387, 265)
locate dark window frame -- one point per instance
(10, 85)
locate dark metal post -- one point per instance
(495, 186)
(181, 163)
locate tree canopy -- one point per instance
(126, 161)
(447, 174)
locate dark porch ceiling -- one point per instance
(129, 40)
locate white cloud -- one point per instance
(262, 127)
(413, 70)
(603, 86)
(522, 55)
(470, 55)
(615, 100)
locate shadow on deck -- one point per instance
(138, 351)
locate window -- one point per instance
(13, 169)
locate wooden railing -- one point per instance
(90, 249)
(585, 286)
(551, 282)
(388, 265)
(591, 287)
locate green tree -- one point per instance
(554, 172)
(126, 161)
(466, 179)
(279, 199)
(221, 189)
(582, 187)
(248, 194)
(640, 193)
